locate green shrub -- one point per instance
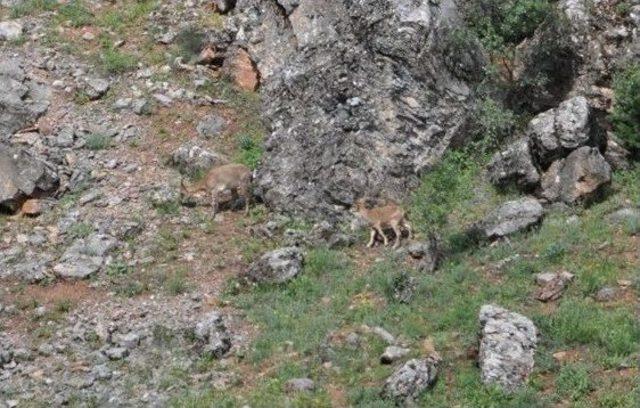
(626, 111)
(502, 23)
(493, 124)
(189, 42)
(250, 150)
(441, 190)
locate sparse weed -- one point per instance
(98, 141)
(29, 7)
(75, 13)
(177, 283)
(80, 230)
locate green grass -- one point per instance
(177, 283)
(98, 141)
(75, 13)
(127, 16)
(29, 7)
(298, 322)
(80, 230)
(574, 381)
(115, 61)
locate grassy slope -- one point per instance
(303, 324)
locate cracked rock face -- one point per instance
(22, 100)
(507, 347)
(23, 175)
(361, 98)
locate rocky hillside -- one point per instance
(507, 130)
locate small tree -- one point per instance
(626, 111)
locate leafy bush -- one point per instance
(189, 42)
(493, 123)
(446, 186)
(501, 23)
(626, 112)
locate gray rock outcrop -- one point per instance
(514, 165)
(507, 347)
(555, 133)
(362, 96)
(85, 256)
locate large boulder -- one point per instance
(406, 384)
(22, 100)
(557, 132)
(507, 347)
(511, 217)
(514, 165)
(278, 266)
(362, 96)
(581, 177)
(22, 175)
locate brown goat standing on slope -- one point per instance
(379, 218)
(235, 178)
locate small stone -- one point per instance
(278, 266)
(130, 340)
(392, 354)
(116, 353)
(299, 385)
(384, 335)
(213, 335)
(45, 349)
(511, 217)
(408, 382)
(10, 30)
(102, 372)
(211, 126)
(96, 87)
(32, 207)
(167, 38)
(88, 36)
(606, 294)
